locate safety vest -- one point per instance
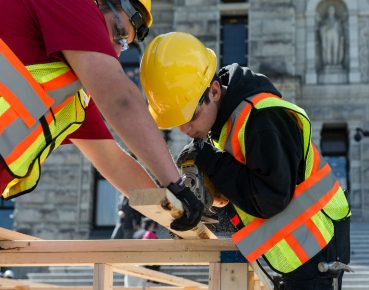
(295, 235)
(40, 105)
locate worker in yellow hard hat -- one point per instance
(256, 150)
(60, 69)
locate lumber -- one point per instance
(8, 235)
(160, 205)
(103, 277)
(153, 203)
(139, 252)
(157, 276)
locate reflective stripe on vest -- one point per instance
(39, 106)
(299, 232)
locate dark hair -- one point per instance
(205, 95)
(146, 223)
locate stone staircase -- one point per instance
(83, 276)
(359, 279)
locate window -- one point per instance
(334, 148)
(106, 203)
(234, 40)
(6, 213)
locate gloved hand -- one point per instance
(200, 153)
(192, 206)
(190, 151)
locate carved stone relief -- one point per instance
(332, 42)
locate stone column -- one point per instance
(311, 75)
(354, 69)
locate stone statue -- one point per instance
(332, 39)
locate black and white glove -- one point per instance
(192, 206)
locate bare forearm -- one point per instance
(120, 169)
(140, 134)
(124, 108)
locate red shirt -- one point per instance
(38, 30)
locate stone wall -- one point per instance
(282, 45)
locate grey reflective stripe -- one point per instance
(296, 207)
(322, 161)
(306, 240)
(15, 133)
(15, 82)
(61, 94)
(234, 117)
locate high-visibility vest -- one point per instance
(40, 105)
(295, 235)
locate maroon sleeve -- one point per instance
(72, 25)
(93, 127)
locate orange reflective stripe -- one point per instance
(236, 148)
(8, 117)
(16, 105)
(26, 143)
(314, 230)
(310, 181)
(316, 160)
(245, 231)
(296, 247)
(18, 65)
(293, 225)
(61, 81)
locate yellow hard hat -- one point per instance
(176, 69)
(147, 5)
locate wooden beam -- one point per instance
(139, 246)
(25, 287)
(88, 258)
(157, 276)
(8, 235)
(160, 205)
(103, 277)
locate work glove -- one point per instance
(190, 151)
(192, 207)
(198, 152)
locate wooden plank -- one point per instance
(157, 276)
(214, 276)
(103, 277)
(233, 276)
(8, 235)
(20, 287)
(70, 246)
(153, 202)
(89, 258)
(264, 280)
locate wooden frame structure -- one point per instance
(127, 256)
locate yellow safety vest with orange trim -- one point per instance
(292, 237)
(40, 105)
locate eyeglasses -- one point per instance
(137, 19)
(199, 104)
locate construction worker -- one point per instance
(49, 50)
(287, 205)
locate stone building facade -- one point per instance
(315, 51)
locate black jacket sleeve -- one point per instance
(264, 185)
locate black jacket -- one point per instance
(274, 149)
